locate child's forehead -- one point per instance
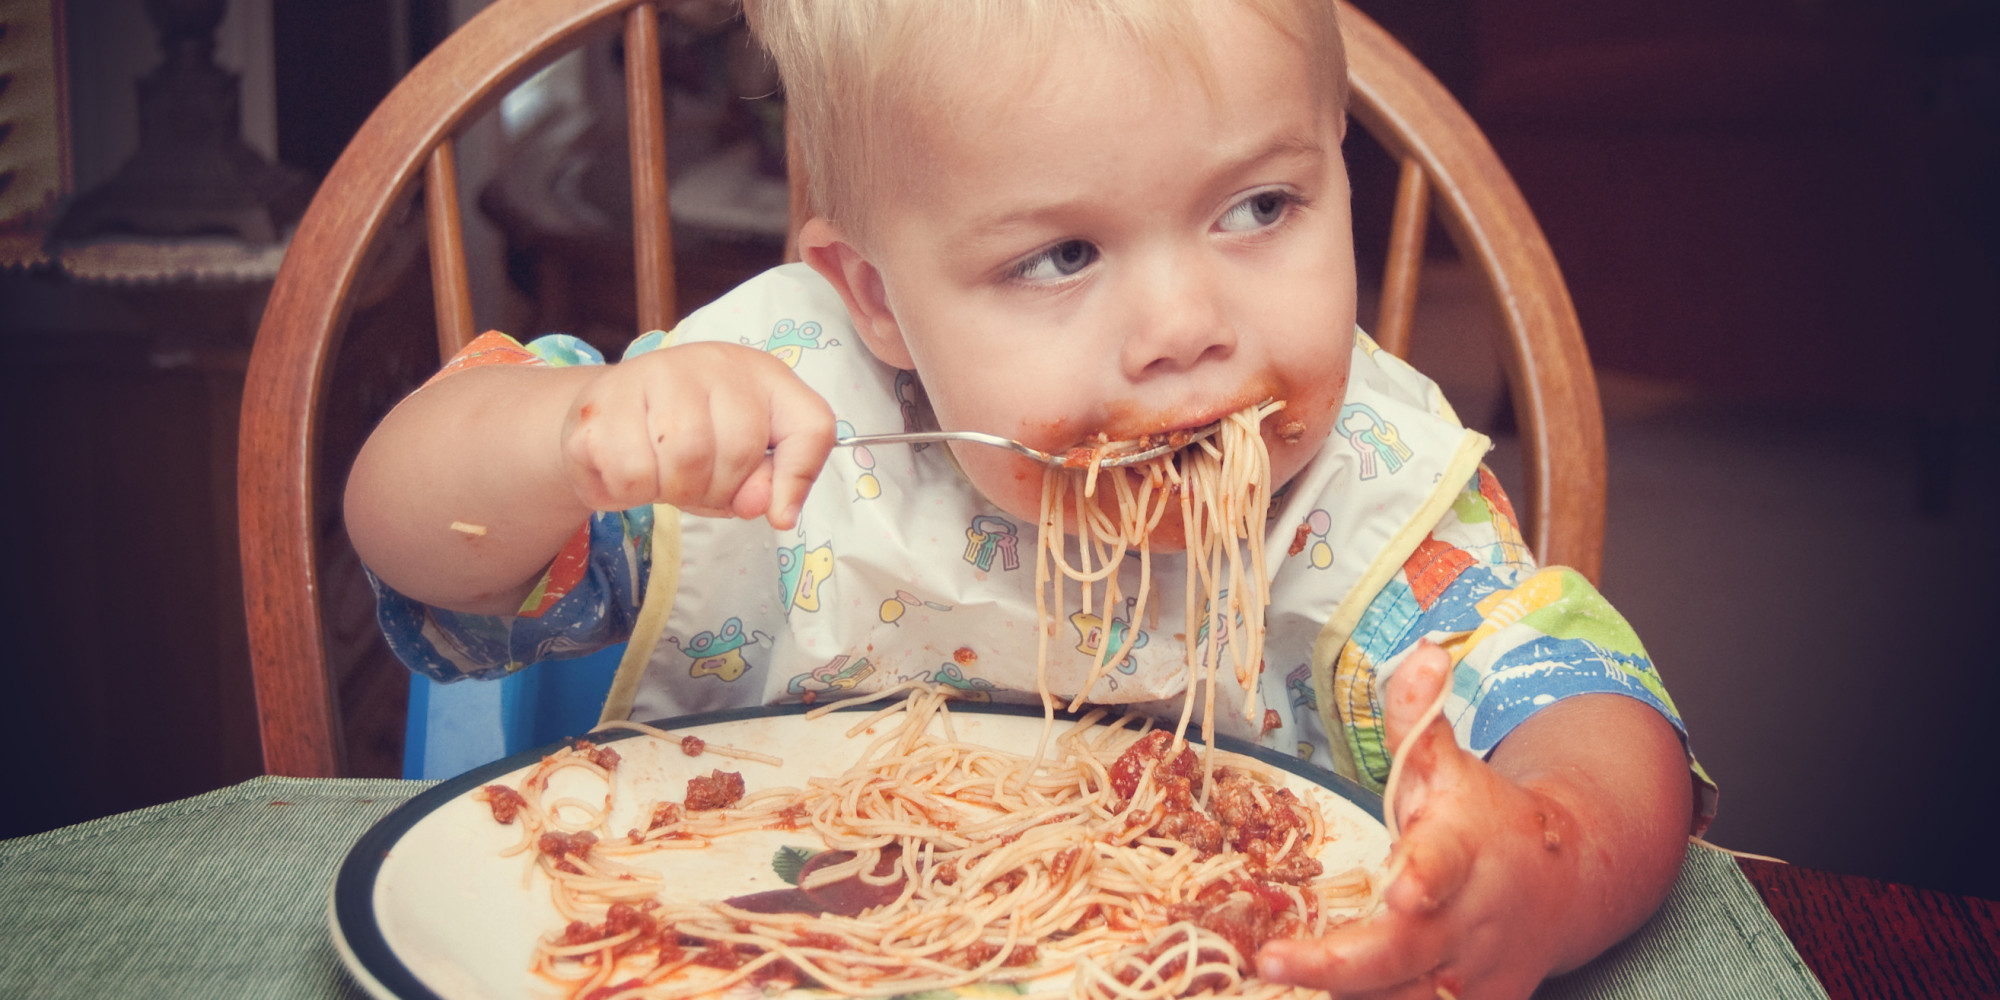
(869, 77)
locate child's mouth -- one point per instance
(1104, 451)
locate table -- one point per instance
(1868, 939)
(226, 893)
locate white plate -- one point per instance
(425, 907)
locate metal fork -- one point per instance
(996, 441)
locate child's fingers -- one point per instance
(753, 498)
(801, 438)
(614, 461)
(738, 475)
(681, 433)
(1414, 687)
(1422, 759)
(1370, 957)
(1436, 859)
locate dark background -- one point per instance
(1775, 219)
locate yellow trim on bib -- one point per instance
(663, 581)
(1334, 634)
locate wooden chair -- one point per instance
(1446, 163)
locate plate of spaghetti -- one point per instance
(897, 845)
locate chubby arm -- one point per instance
(1616, 776)
(521, 455)
(1516, 868)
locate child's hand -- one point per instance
(1484, 875)
(690, 426)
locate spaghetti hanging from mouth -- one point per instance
(1221, 488)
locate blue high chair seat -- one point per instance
(453, 728)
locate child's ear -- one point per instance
(859, 283)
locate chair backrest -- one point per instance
(1447, 164)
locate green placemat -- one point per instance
(1713, 939)
(223, 894)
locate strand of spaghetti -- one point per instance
(718, 749)
(1197, 580)
(1136, 523)
(863, 699)
(570, 951)
(1089, 529)
(877, 716)
(1247, 522)
(1057, 481)
(1396, 763)
(1216, 539)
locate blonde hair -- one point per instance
(848, 64)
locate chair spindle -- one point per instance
(451, 285)
(652, 231)
(1405, 259)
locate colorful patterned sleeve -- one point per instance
(1522, 637)
(585, 601)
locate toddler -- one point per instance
(1053, 220)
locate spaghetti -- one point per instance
(1221, 487)
(1119, 859)
(948, 863)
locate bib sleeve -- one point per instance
(1521, 637)
(586, 600)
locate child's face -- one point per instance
(1112, 247)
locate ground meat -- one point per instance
(1239, 917)
(564, 846)
(1205, 983)
(1259, 828)
(603, 757)
(693, 745)
(1185, 822)
(720, 790)
(649, 933)
(722, 955)
(664, 814)
(1174, 775)
(1299, 539)
(1064, 860)
(505, 802)
(982, 952)
(778, 976)
(822, 941)
(1151, 749)
(788, 817)
(1294, 869)
(1243, 814)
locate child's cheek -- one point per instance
(1011, 482)
(1296, 433)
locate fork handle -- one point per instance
(916, 437)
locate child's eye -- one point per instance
(1059, 261)
(1259, 211)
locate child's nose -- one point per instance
(1177, 323)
